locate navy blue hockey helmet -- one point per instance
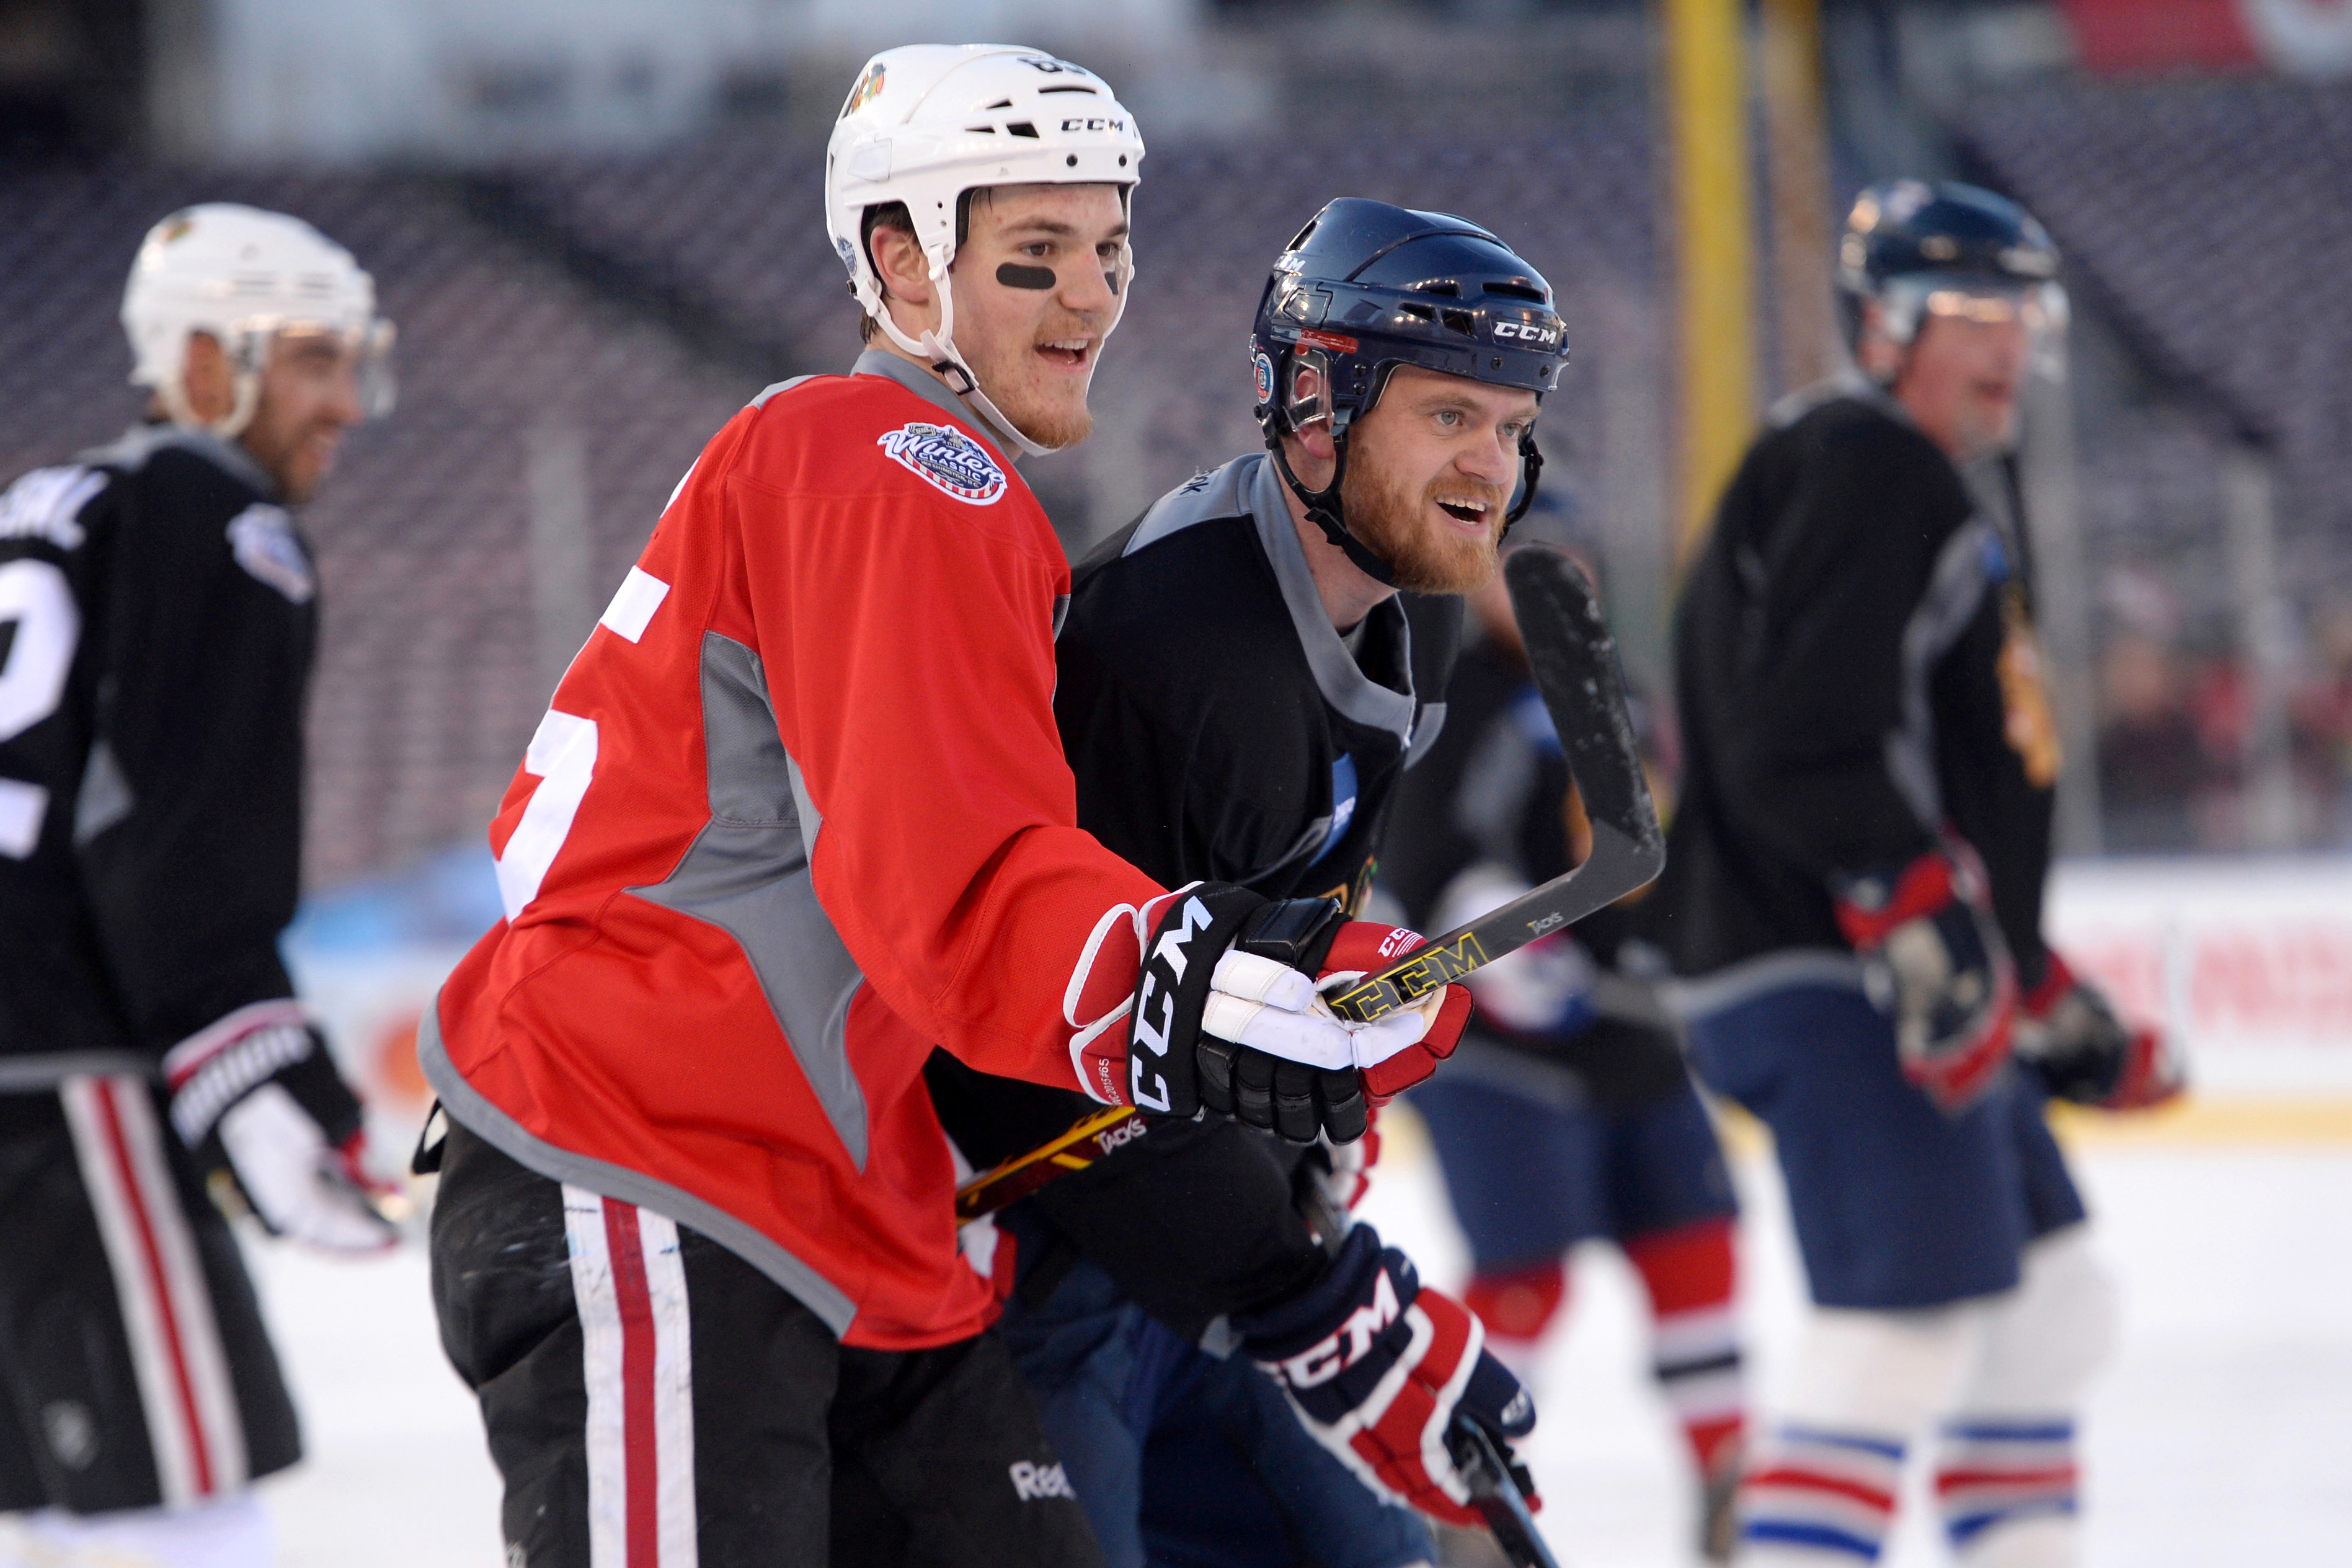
(1916, 248)
(1367, 287)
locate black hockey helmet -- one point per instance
(1911, 246)
(1367, 287)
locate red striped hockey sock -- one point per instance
(1814, 1495)
(1690, 1273)
(1993, 1472)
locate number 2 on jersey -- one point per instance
(36, 607)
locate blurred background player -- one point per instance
(1856, 877)
(158, 624)
(1566, 1115)
(1246, 674)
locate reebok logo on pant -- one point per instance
(1032, 1482)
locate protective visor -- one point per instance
(2040, 309)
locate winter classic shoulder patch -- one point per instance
(263, 540)
(946, 459)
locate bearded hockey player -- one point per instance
(1566, 1115)
(1243, 685)
(1857, 866)
(799, 812)
(158, 618)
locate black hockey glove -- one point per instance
(258, 1100)
(1377, 1367)
(2069, 1034)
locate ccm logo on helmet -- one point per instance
(1094, 122)
(1527, 331)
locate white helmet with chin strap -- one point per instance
(244, 276)
(926, 125)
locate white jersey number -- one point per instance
(562, 757)
(37, 603)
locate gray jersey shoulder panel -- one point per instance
(747, 872)
(469, 1107)
(1251, 486)
(773, 388)
(131, 451)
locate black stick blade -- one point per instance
(1574, 660)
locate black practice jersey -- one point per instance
(1856, 669)
(1220, 730)
(157, 619)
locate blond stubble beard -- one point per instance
(1045, 426)
(1392, 520)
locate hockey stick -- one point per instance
(1574, 661)
(1499, 1485)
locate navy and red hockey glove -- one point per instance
(1378, 1368)
(1934, 959)
(1226, 1015)
(258, 1100)
(2068, 1033)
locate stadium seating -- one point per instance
(637, 299)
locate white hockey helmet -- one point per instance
(244, 274)
(927, 122)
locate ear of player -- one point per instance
(1934, 959)
(1381, 1370)
(258, 1100)
(1228, 1014)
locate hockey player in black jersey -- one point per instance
(158, 614)
(1855, 879)
(1242, 685)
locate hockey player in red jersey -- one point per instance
(799, 811)
(158, 617)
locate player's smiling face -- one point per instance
(308, 397)
(1038, 280)
(1037, 285)
(1431, 470)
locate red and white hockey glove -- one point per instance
(1378, 1368)
(1224, 1016)
(260, 1101)
(2069, 1034)
(1934, 959)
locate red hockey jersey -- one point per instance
(797, 812)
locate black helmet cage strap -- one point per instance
(1277, 418)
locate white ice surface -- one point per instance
(2221, 1436)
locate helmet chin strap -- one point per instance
(1323, 507)
(938, 351)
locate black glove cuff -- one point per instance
(1171, 991)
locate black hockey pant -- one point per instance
(134, 1369)
(654, 1401)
